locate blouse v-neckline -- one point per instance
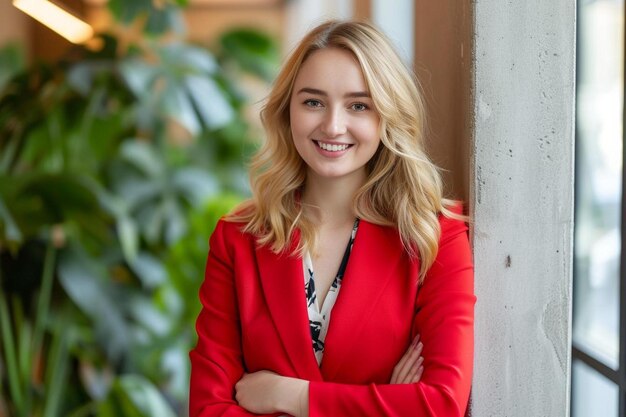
(319, 317)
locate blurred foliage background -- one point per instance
(115, 165)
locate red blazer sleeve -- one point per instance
(444, 318)
(216, 361)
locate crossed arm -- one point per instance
(266, 392)
(444, 320)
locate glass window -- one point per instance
(592, 394)
(598, 179)
(397, 22)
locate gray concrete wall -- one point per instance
(523, 205)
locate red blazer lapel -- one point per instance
(376, 249)
(282, 279)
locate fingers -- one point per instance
(408, 368)
(415, 374)
(418, 375)
(413, 361)
(401, 366)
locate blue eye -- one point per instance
(359, 107)
(312, 103)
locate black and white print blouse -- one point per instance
(320, 317)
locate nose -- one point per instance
(334, 123)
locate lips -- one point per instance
(332, 147)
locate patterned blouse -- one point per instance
(320, 317)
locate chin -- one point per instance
(332, 174)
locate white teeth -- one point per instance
(332, 148)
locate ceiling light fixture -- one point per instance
(65, 24)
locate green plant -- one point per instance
(114, 167)
(11, 62)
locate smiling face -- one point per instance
(333, 121)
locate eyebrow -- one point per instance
(323, 93)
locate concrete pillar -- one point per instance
(523, 103)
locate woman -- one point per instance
(347, 217)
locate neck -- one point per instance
(330, 199)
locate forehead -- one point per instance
(333, 70)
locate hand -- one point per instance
(254, 392)
(266, 392)
(409, 369)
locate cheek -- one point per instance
(299, 120)
(368, 132)
(298, 130)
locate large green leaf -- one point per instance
(255, 52)
(180, 86)
(150, 270)
(180, 58)
(8, 225)
(165, 19)
(209, 101)
(139, 76)
(37, 201)
(159, 20)
(177, 105)
(60, 195)
(134, 396)
(151, 318)
(86, 281)
(143, 156)
(11, 62)
(196, 184)
(127, 11)
(128, 236)
(82, 75)
(156, 195)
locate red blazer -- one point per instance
(254, 317)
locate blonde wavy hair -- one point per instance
(403, 187)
